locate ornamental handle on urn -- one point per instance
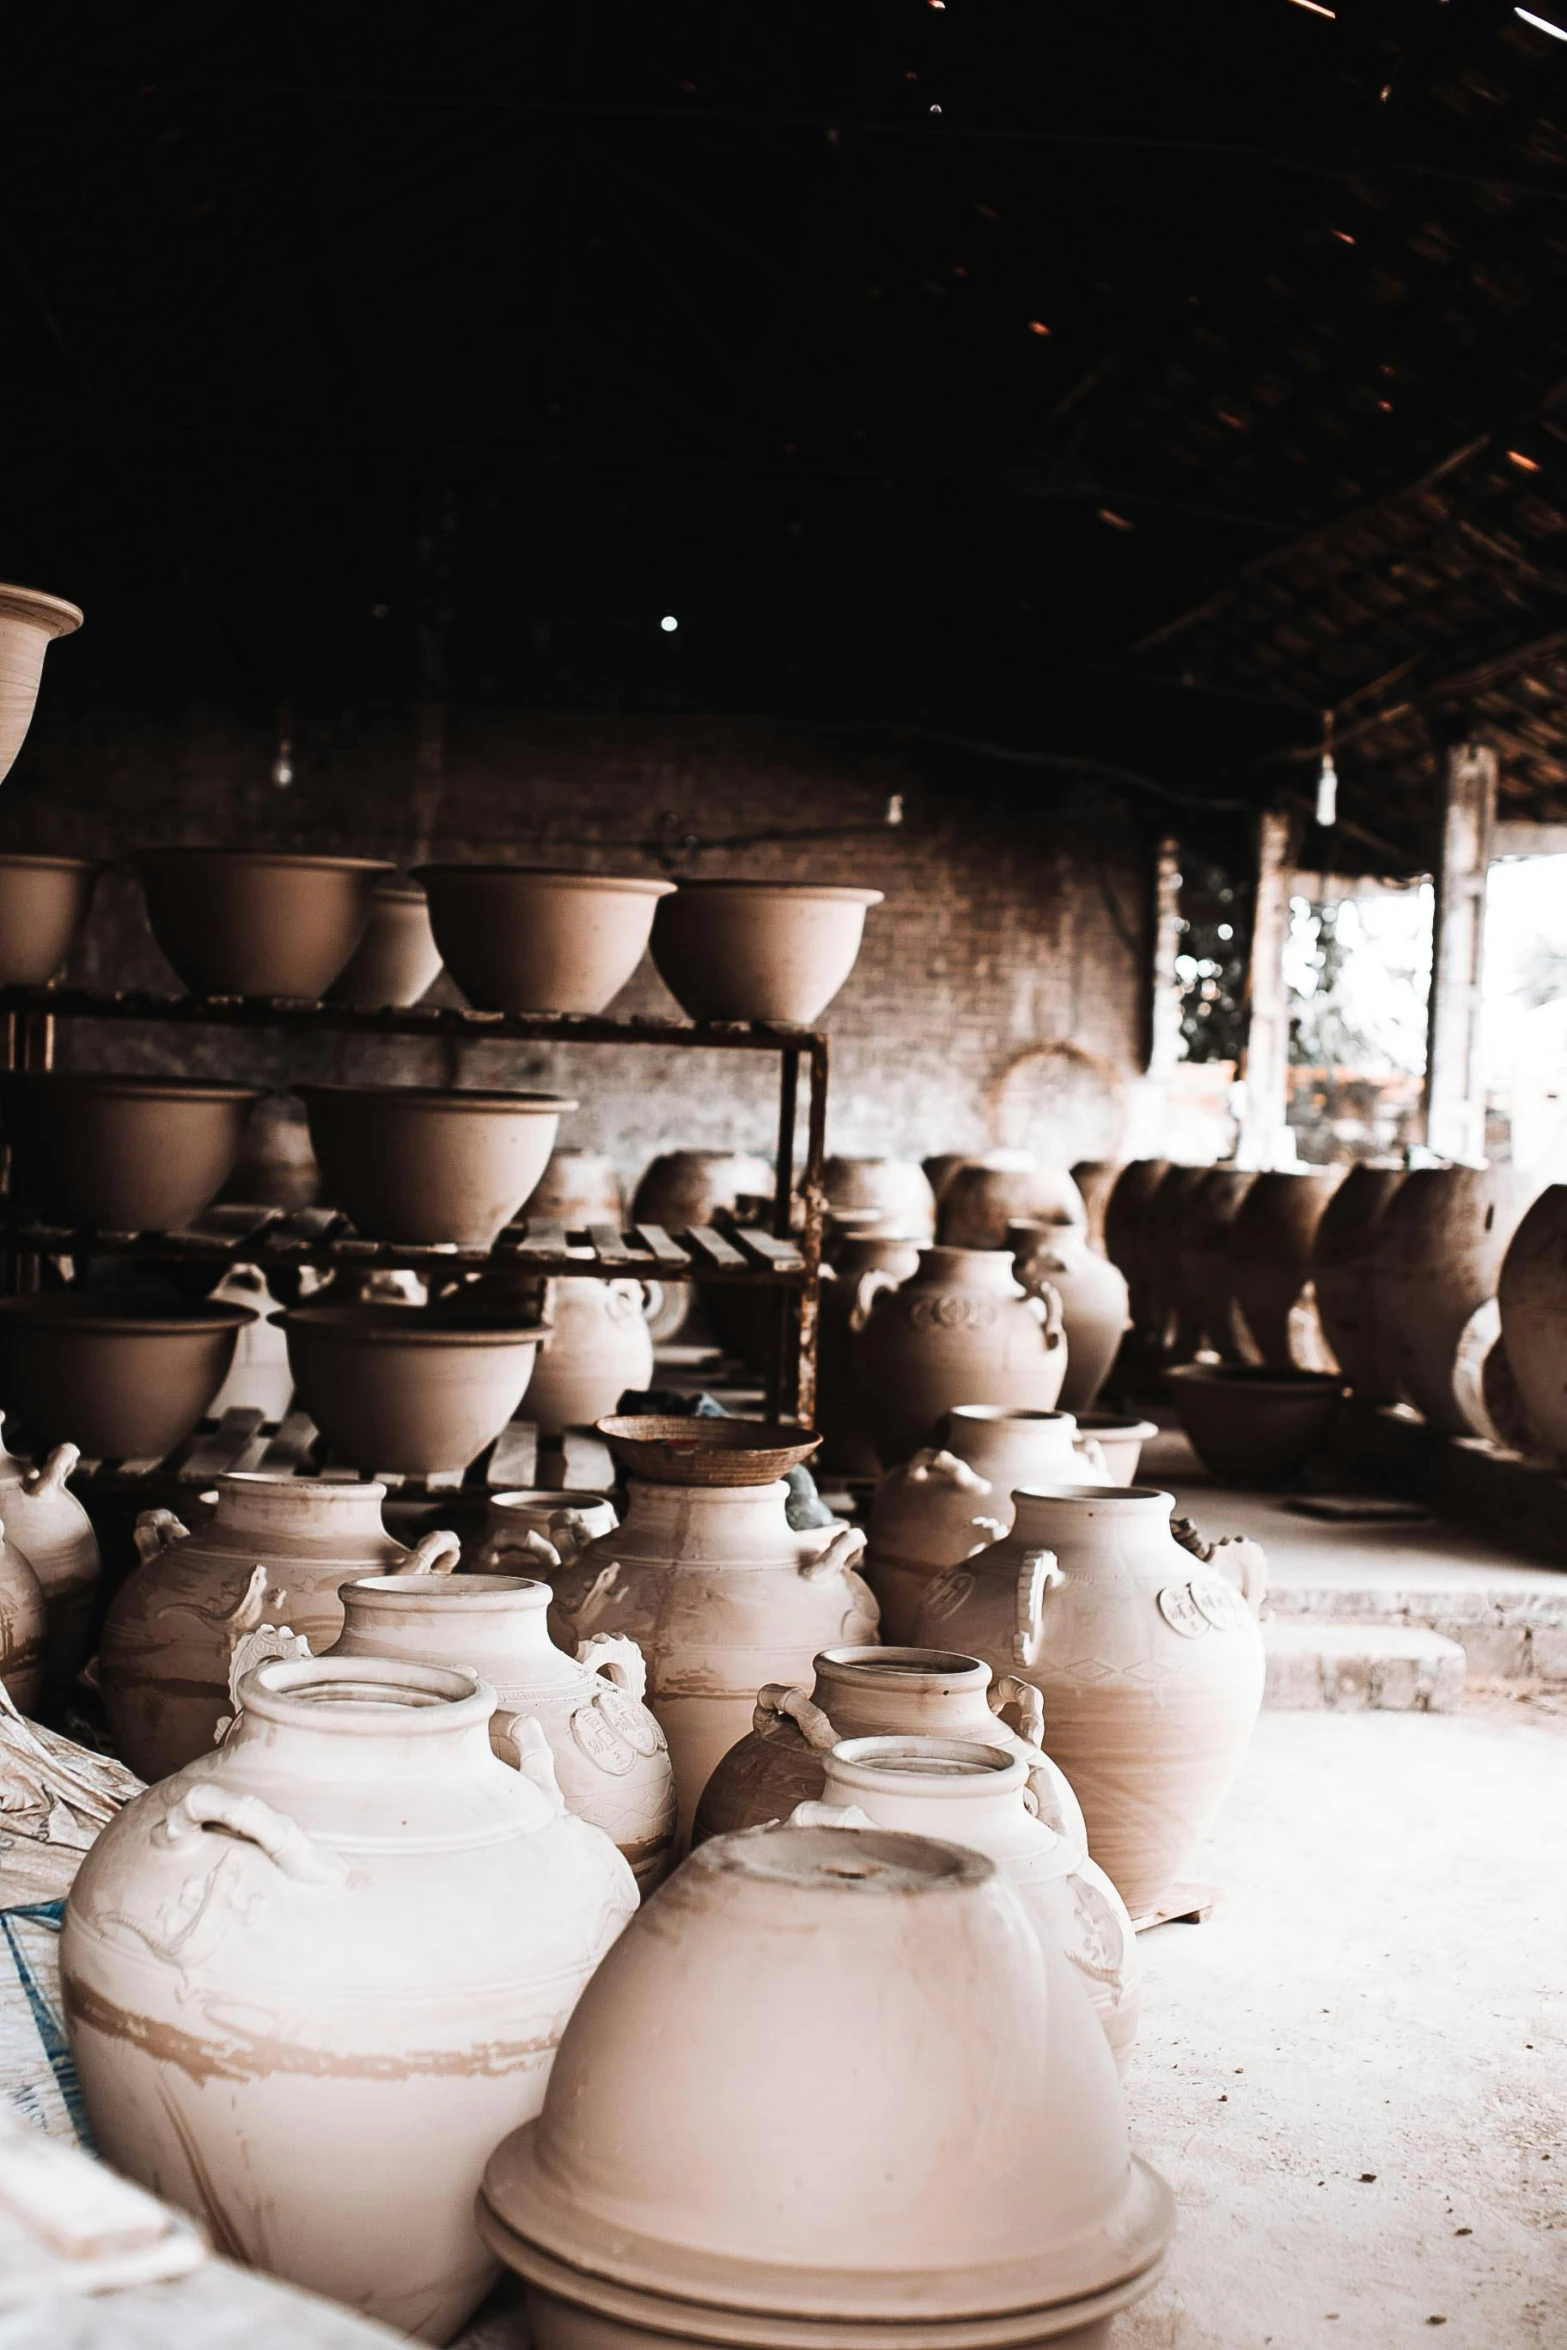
(1044, 1303)
(56, 1469)
(1039, 1571)
(155, 1532)
(286, 1844)
(531, 1545)
(798, 1706)
(618, 1659)
(840, 1553)
(1010, 1689)
(433, 1554)
(530, 1754)
(867, 1289)
(817, 1814)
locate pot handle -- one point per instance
(1039, 1572)
(829, 1815)
(157, 1531)
(1010, 1689)
(1044, 1303)
(432, 1554)
(867, 1290)
(569, 1533)
(841, 1552)
(1251, 1562)
(798, 1706)
(531, 1545)
(52, 1476)
(1090, 1450)
(286, 1844)
(618, 1659)
(946, 1469)
(531, 1750)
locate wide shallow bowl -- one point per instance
(759, 950)
(29, 623)
(396, 960)
(1120, 1441)
(123, 1382)
(257, 922)
(415, 1164)
(43, 904)
(960, 2156)
(122, 1154)
(522, 938)
(414, 1389)
(704, 1451)
(1250, 1425)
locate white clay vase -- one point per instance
(54, 1533)
(611, 1758)
(959, 1329)
(721, 1595)
(982, 1797)
(1148, 1658)
(599, 1346)
(312, 1979)
(1094, 1301)
(531, 1529)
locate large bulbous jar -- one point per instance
(1173, 1325)
(982, 1196)
(1271, 1246)
(1533, 1300)
(960, 1329)
(1126, 1215)
(261, 1577)
(981, 1797)
(54, 1533)
(1204, 1269)
(599, 1346)
(22, 1628)
(1439, 1250)
(311, 1979)
(1094, 1301)
(611, 1757)
(1149, 1661)
(848, 1291)
(721, 1595)
(1342, 1256)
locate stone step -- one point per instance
(1517, 1635)
(1315, 1664)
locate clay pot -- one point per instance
(276, 1167)
(29, 623)
(611, 1759)
(255, 922)
(960, 1329)
(524, 938)
(1094, 1301)
(893, 1194)
(759, 950)
(1126, 1216)
(682, 1188)
(1149, 1661)
(720, 1594)
(45, 1521)
(982, 1197)
(982, 1798)
(23, 1627)
(1117, 1443)
(410, 1389)
(260, 1577)
(1204, 1274)
(540, 1525)
(1170, 1325)
(350, 1923)
(1271, 1247)
(874, 1693)
(1251, 1425)
(845, 1304)
(939, 1168)
(124, 1381)
(774, 1990)
(1532, 1294)
(43, 904)
(122, 1154)
(1439, 1251)
(1341, 1277)
(430, 1164)
(599, 1346)
(576, 1189)
(1095, 1180)
(397, 959)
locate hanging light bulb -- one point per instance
(1327, 777)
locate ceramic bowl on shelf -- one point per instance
(397, 959)
(29, 623)
(759, 950)
(124, 1381)
(428, 1164)
(1254, 1426)
(43, 904)
(121, 1154)
(411, 1389)
(701, 1451)
(524, 938)
(257, 922)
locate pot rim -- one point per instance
(1259, 1379)
(151, 1088)
(990, 1414)
(1116, 1424)
(1118, 1497)
(892, 1760)
(427, 1594)
(564, 876)
(67, 1310)
(839, 894)
(936, 1664)
(566, 1497)
(360, 1323)
(54, 861)
(317, 1488)
(57, 614)
(442, 1097)
(436, 1699)
(296, 860)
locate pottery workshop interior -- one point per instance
(783, 1177)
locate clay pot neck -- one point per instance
(339, 1725)
(1082, 1522)
(757, 1509)
(943, 1787)
(987, 1271)
(865, 1692)
(1012, 1447)
(502, 1609)
(321, 1510)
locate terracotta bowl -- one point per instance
(257, 922)
(1120, 1439)
(759, 950)
(410, 1163)
(123, 1382)
(521, 938)
(396, 961)
(673, 1451)
(43, 904)
(410, 1389)
(122, 1154)
(1253, 1426)
(29, 623)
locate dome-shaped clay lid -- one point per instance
(834, 2073)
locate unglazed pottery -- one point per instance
(310, 1980)
(259, 1378)
(1126, 1231)
(1439, 1250)
(560, 1523)
(29, 623)
(611, 1758)
(1532, 1295)
(413, 1389)
(23, 1626)
(47, 1523)
(979, 2194)
(759, 950)
(1271, 1249)
(1171, 1325)
(1094, 1301)
(124, 1381)
(982, 1798)
(981, 1197)
(276, 1167)
(893, 1194)
(257, 922)
(1251, 1425)
(576, 1189)
(1117, 1443)
(695, 1449)
(122, 1154)
(519, 938)
(721, 1595)
(960, 1329)
(682, 1188)
(872, 1692)
(258, 1578)
(599, 1346)
(43, 904)
(1149, 1661)
(1096, 1179)
(397, 959)
(431, 1164)
(1205, 1264)
(846, 1296)
(1342, 1257)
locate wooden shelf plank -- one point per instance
(714, 1246)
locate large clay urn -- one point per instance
(1204, 1275)
(960, 1329)
(311, 1980)
(983, 1798)
(1096, 1179)
(519, 938)
(1272, 1243)
(1149, 1661)
(1342, 1257)
(983, 1196)
(599, 1345)
(847, 1293)
(1439, 1252)
(397, 960)
(46, 1522)
(720, 1594)
(261, 1575)
(23, 1626)
(1170, 1326)
(29, 623)
(1126, 1213)
(894, 1196)
(1533, 1297)
(43, 904)
(540, 1524)
(1094, 1301)
(611, 1758)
